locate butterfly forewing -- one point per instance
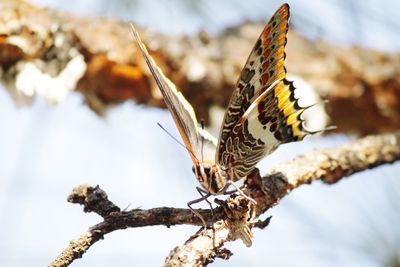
(263, 111)
(264, 66)
(198, 141)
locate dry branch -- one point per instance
(101, 60)
(235, 216)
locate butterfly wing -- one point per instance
(208, 145)
(196, 139)
(255, 121)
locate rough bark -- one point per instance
(98, 57)
(234, 217)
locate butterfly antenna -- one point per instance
(176, 140)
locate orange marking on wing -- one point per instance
(266, 53)
(266, 42)
(259, 99)
(265, 66)
(242, 119)
(210, 162)
(265, 78)
(266, 32)
(284, 16)
(282, 26)
(283, 10)
(281, 39)
(281, 74)
(280, 52)
(278, 74)
(185, 141)
(279, 64)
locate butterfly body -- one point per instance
(211, 177)
(262, 113)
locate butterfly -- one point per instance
(263, 112)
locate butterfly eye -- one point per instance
(193, 170)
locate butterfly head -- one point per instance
(210, 177)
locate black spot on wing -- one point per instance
(273, 126)
(258, 44)
(278, 135)
(247, 74)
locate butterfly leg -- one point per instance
(232, 191)
(203, 193)
(237, 189)
(190, 203)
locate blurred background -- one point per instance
(46, 150)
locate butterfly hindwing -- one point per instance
(272, 119)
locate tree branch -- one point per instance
(234, 218)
